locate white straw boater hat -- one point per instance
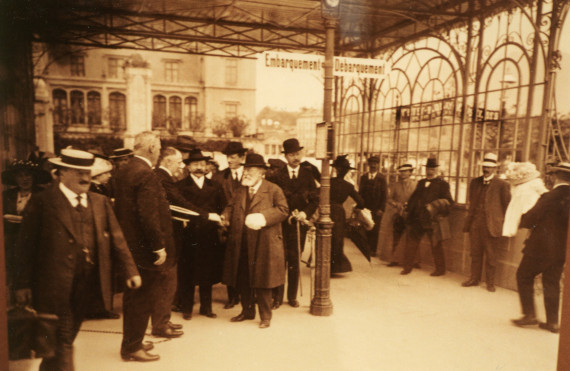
(101, 166)
(74, 158)
(490, 160)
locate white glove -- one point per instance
(255, 221)
(215, 218)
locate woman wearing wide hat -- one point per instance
(339, 192)
(23, 178)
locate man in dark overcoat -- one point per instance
(298, 185)
(67, 244)
(545, 250)
(201, 255)
(230, 180)
(489, 197)
(143, 212)
(374, 191)
(428, 211)
(255, 258)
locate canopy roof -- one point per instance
(242, 28)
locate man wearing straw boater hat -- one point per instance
(299, 187)
(428, 210)
(120, 157)
(68, 238)
(489, 198)
(254, 262)
(545, 250)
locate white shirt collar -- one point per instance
(372, 175)
(256, 187)
(199, 181)
(489, 178)
(72, 196)
(165, 169)
(145, 160)
(560, 185)
(296, 170)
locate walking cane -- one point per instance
(299, 257)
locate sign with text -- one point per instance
(353, 67)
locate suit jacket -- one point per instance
(373, 192)
(143, 212)
(301, 193)
(47, 250)
(224, 178)
(548, 224)
(173, 193)
(496, 201)
(438, 189)
(266, 254)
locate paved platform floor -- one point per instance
(381, 321)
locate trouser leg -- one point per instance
(264, 303)
(166, 280)
(137, 309)
(551, 286)
(476, 252)
(415, 234)
(438, 255)
(205, 298)
(491, 248)
(526, 273)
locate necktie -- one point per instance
(235, 176)
(79, 207)
(293, 176)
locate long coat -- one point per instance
(302, 193)
(374, 192)
(266, 254)
(548, 224)
(144, 214)
(202, 249)
(47, 250)
(496, 201)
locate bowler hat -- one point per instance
(405, 167)
(40, 176)
(276, 163)
(341, 162)
(432, 162)
(74, 158)
(560, 167)
(196, 155)
(374, 159)
(490, 160)
(254, 160)
(234, 147)
(185, 143)
(291, 145)
(121, 152)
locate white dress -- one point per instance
(523, 198)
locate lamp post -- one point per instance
(321, 304)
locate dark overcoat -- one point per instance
(301, 193)
(497, 198)
(266, 254)
(47, 251)
(144, 214)
(224, 178)
(374, 192)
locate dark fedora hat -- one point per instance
(234, 147)
(276, 163)
(185, 143)
(196, 155)
(121, 152)
(254, 160)
(291, 145)
(341, 162)
(9, 175)
(374, 159)
(432, 162)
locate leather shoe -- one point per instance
(241, 317)
(175, 326)
(393, 264)
(552, 327)
(147, 346)
(294, 303)
(264, 323)
(140, 356)
(187, 316)
(525, 321)
(208, 313)
(276, 304)
(230, 304)
(406, 271)
(437, 273)
(176, 308)
(168, 333)
(491, 288)
(470, 282)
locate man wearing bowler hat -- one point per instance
(374, 190)
(230, 180)
(300, 189)
(68, 239)
(120, 157)
(545, 250)
(255, 258)
(428, 210)
(489, 197)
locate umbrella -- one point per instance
(357, 234)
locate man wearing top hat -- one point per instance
(143, 212)
(374, 189)
(255, 258)
(545, 250)
(201, 255)
(489, 197)
(301, 192)
(68, 242)
(428, 210)
(230, 180)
